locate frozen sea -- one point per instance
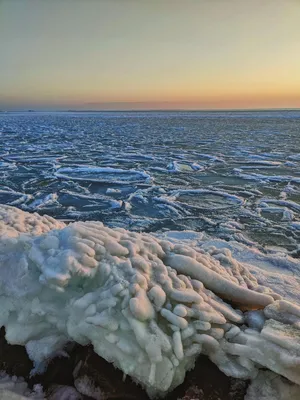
(232, 175)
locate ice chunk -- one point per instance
(15, 388)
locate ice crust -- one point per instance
(146, 304)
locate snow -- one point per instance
(147, 304)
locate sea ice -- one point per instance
(146, 304)
(102, 174)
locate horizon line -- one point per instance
(30, 110)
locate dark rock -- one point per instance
(207, 382)
(85, 372)
(62, 392)
(13, 358)
(59, 371)
(95, 377)
(193, 393)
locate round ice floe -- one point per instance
(203, 199)
(261, 164)
(264, 177)
(144, 203)
(102, 174)
(24, 159)
(88, 202)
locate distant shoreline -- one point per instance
(152, 110)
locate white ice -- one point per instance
(148, 305)
(102, 174)
(15, 388)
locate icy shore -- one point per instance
(146, 304)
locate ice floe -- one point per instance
(200, 198)
(32, 159)
(103, 174)
(271, 178)
(176, 166)
(295, 157)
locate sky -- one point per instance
(149, 54)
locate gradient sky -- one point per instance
(130, 54)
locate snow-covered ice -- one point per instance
(147, 304)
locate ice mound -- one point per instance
(147, 305)
(13, 222)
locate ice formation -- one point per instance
(15, 388)
(269, 386)
(146, 304)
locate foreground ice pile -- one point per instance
(147, 305)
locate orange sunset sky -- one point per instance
(149, 54)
